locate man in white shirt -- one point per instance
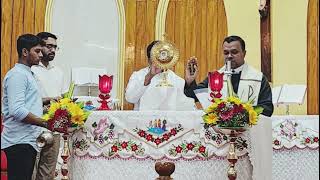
(142, 89)
(51, 84)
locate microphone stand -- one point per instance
(231, 156)
(228, 73)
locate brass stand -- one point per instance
(164, 81)
(232, 157)
(65, 156)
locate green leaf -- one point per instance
(86, 114)
(65, 95)
(70, 91)
(205, 118)
(130, 143)
(80, 104)
(258, 109)
(205, 154)
(111, 153)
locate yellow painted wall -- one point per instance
(289, 46)
(289, 40)
(244, 20)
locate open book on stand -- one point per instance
(86, 80)
(86, 76)
(203, 97)
(289, 94)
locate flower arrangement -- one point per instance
(231, 112)
(64, 114)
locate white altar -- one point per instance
(126, 144)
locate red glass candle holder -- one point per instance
(215, 83)
(105, 86)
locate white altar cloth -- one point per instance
(295, 153)
(122, 144)
(296, 147)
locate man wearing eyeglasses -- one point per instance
(51, 84)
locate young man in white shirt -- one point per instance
(51, 84)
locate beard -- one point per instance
(48, 57)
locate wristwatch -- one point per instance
(45, 124)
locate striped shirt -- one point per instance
(20, 97)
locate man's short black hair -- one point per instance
(149, 49)
(236, 38)
(46, 35)
(27, 41)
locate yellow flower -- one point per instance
(74, 109)
(217, 100)
(211, 108)
(53, 108)
(46, 117)
(78, 119)
(213, 113)
(253, 117)
(65, 101)
(77, 115)
(235, 100)
(211, 119)
(248, 107)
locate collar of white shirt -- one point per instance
(50, 66)
(237, 70)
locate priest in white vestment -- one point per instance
(143, 92)
(250, 85)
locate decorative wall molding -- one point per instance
(121, 54)
(160, 26)
(48, 16)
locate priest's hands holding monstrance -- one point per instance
(153, 70)
(164, 56)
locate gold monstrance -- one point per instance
(165, 55)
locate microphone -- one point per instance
(229, 74)
(228, 65)
(228, 69)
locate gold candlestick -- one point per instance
(65, 156)
(232, 157)
(164, 81)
